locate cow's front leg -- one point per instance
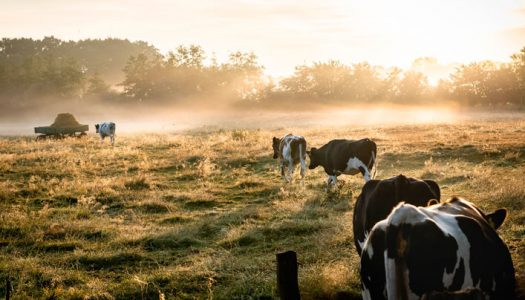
(112, 139)
(101, 139)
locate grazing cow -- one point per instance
(445, 247)
(291, 150)
(379, 197)
(106, 129)
(344, 157)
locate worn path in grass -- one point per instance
(201, 214)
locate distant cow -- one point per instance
(379, 197)
(442, 248)
(106, 129)
(291, 150)
(344, 157)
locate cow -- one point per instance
(445, 247)
(379, 197)
(106, 129)
(291, 150)
(344, 157)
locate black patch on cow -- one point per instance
(489, 258)
(373, 269)
(459, 276)
(429, 253)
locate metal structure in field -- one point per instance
(65, 125)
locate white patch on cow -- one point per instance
(362, 244)
(365, 293)
(391, 280)
(353, 165)
(332, 180)
(406, 214)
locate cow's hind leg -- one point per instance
(283, 174)
(112, 139)
(290, 170)
(303, 171)
(365, 172)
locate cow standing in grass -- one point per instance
(106, 129)
(291, 150)
(345, 157)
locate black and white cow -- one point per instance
(291, 150)
(445, 247)
(379, 197)
(106, 129)
(344, 157)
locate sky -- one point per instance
(288, 33)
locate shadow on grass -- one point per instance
(111, 262)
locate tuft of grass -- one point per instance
(136, 184)
(116, 261)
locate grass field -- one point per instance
(202, 213)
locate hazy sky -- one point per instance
(286, 33)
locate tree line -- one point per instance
(121, 71)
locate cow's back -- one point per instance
(338, 152)
(443, 247)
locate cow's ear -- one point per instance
(432, 202)
(275, 140)
(497, 218)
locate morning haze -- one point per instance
(211, 106)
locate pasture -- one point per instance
(202, 213)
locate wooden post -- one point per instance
(8, 288)
(287, 276)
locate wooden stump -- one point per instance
(287, 276)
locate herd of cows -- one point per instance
(412, 246)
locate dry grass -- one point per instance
(201, 214)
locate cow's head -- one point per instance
(97, 126)
(275, 144)
(314, 161)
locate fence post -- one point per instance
(8, 288)
(287, 276)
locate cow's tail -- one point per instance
(395, 264)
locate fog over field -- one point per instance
(176, 120)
